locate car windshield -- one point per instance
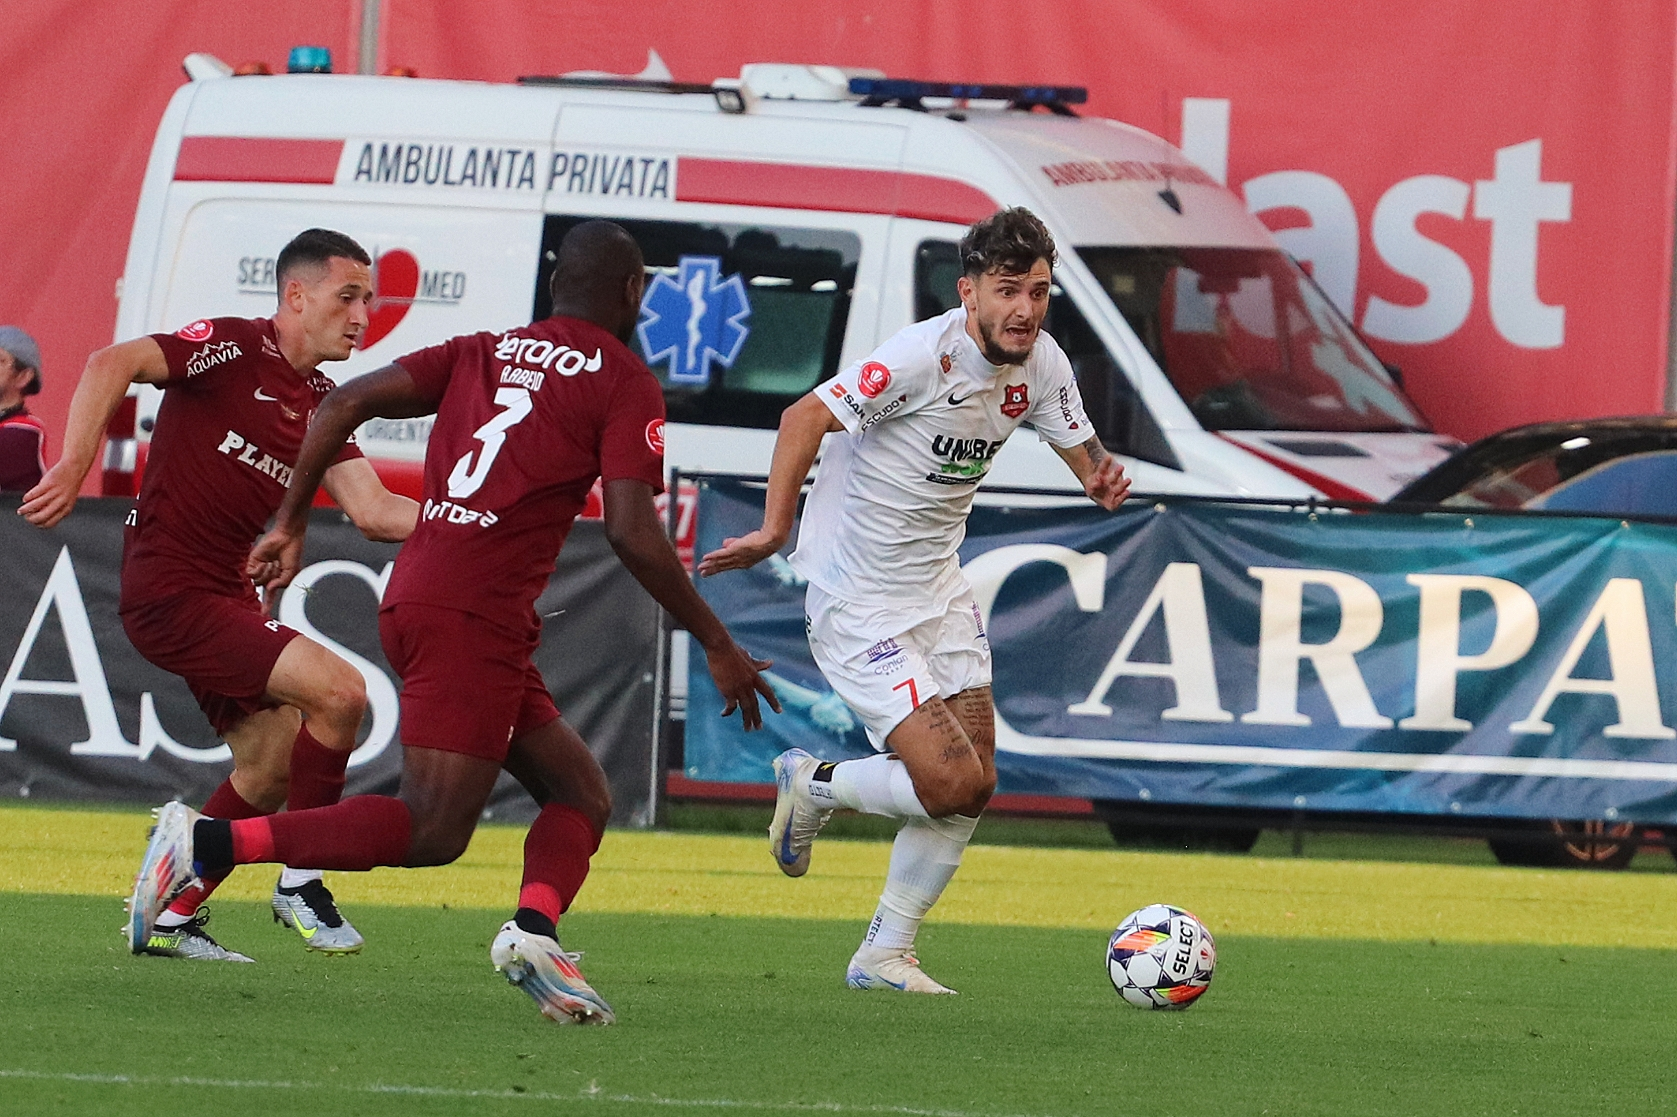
(1249, 341)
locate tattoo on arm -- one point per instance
(1095, 450)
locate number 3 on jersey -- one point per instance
(468, 477)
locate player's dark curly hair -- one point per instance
(1010, 241)
(313, 247)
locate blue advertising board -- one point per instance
(1241, 656)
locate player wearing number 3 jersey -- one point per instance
(526, 422)
(892, 622)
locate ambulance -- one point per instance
(792, 219)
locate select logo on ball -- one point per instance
(196, 331)
(655, 435)
(874, 379)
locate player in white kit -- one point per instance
(891, 620)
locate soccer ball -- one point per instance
(1161, 957)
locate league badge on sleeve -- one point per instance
(655, 436)
(1015, 400)
(196, 331)
(873, 379)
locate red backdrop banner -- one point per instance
(1486, 188)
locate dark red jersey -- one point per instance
(23, 450)
(233, 416)
(526, 421)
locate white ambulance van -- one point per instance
(791, 220)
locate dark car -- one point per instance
(1618, 467)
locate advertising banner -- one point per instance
(82, 716)
(1226, 655)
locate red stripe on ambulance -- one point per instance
(252, 159)
(833, 189)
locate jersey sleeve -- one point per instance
(206, 348)
(432, 367)
(632, 441)
(351, 450)
(1057, 412)
(897, 378)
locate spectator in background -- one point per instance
(23, 440)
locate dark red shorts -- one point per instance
(468, 684)
(222, 646)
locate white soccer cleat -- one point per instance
(547, 972)
(310, 910)
(876, 967)
(165, 871)
(797, 817)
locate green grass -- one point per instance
(738, 1014)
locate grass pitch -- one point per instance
(1342, 988)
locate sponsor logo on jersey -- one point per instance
(288, 412)
(539, 353)
(968, 459)
(237, 446)
(1015, 400)
(655, 435)
(456, 513)
(840, 392)
(196, 331)
(873, 379)
(884, 412)
(211, 355)
(1065, 408)
(694, 319)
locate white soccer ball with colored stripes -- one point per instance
(1161, 957)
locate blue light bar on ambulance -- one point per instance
(909, 94)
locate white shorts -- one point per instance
(883, 668)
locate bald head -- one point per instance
(599, 277)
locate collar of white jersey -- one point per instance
(967, 360)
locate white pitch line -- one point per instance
(585, 1097)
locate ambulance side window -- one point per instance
(1120, 417)
(738, 321)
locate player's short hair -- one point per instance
(1009, 241)
(315, 248)
(594, 257)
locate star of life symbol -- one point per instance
(694, 319)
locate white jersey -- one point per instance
(923, 417)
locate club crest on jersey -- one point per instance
(196, 331)
(873, 379)
(655, 435)
(946, 361)
(1015, 399)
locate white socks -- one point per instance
(296, 878)
(923, 860)
(876, 785)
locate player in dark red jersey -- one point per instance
(238, 395)
(23, 440)
(526, 422)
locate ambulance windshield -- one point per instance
(1249, 341)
